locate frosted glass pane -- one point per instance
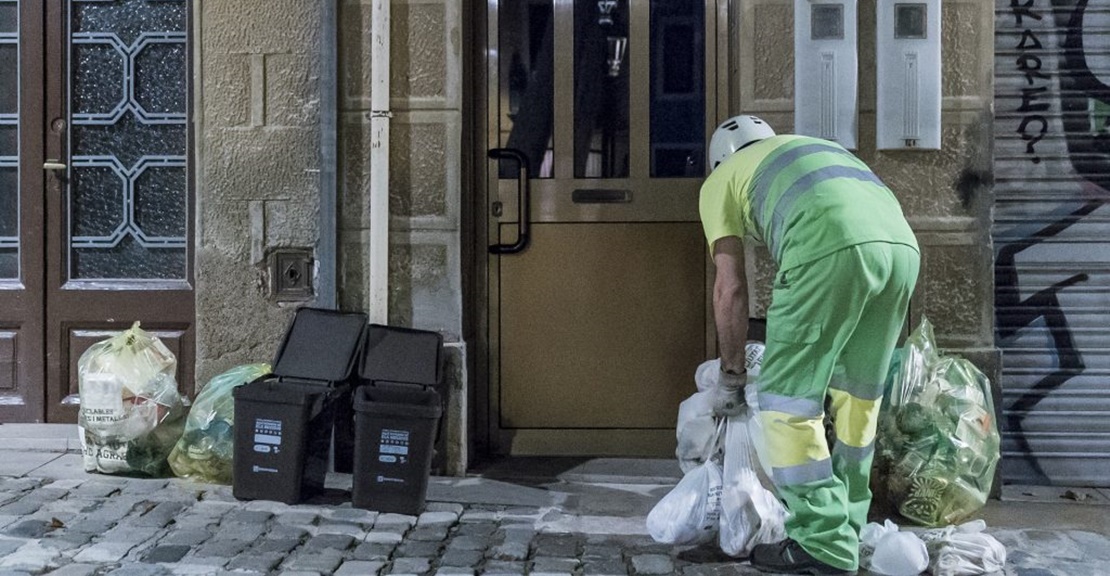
(128, 19)
(9, 263)
(9, 142)
(99, 79)
(9, 79)
(128, 260)
(128, 141)
(152, 66)
(9, 17)
(9, 222)
(128, 190)
(97, 206)
(160, 208)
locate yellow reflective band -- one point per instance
(793, 440)
(856, 418)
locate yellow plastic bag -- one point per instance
(131, 412)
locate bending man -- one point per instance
(847, 264)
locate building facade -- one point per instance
(366, 155)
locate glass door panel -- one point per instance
(526, 84)
(128, 192)
(9, 139)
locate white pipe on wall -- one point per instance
(378, 305)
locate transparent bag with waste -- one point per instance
(204, 451)
(750, 513)
(964, 550)
(131, 412)
(887, 551)
(690, 513)
(938, 442)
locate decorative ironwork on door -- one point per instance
(128, 190)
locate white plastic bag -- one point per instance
(887, 551)
(131, 412)
(706, 374)
(691, 511)
(696, 431)
(964, 550)
(750, 514)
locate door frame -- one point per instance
(26, 293)
(96, 308)
(481, 70)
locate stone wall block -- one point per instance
(233, 221)
(928, 183)
(354, 170)
(236, 324)
(261, 163)
(418, 172)
(961, 38)
(353, 269)
(292, 90)
(424, 289)
(953, 295)
(227, 86)
(290, 224)
(419, 50)
(774, 51)
(354, 54)
(260, 26)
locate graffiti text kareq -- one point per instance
(1033, 124)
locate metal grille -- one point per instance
(1051, 236)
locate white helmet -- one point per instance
(734, 134)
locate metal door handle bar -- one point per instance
(523, 198)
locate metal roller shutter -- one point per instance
(1051, 235)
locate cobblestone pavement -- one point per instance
(82, 525)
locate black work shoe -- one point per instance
(788, 557)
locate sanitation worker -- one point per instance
(847, 264)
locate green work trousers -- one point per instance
(831, 330)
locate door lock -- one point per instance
(497, 209)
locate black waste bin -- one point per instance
(395, 429)
(398, 410)
(284, 420)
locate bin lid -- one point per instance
(321, 345)
(401, 354)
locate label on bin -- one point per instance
(394, 446)
(267, 436)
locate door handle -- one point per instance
(54, 165)
(523, 197)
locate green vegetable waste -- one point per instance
(938, 441)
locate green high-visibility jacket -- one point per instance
(804, 197)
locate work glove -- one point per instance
(728, 396)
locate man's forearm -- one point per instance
(731, 310)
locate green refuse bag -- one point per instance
(204, 451)
(938, 441)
